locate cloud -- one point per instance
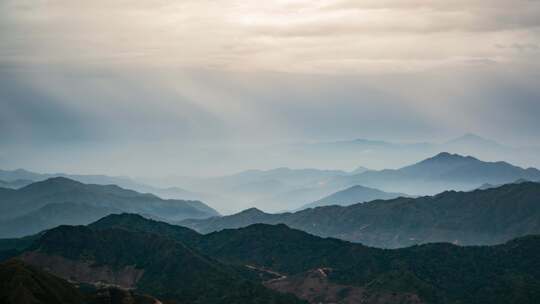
(522, 47)
(147, 76)
(288, 36)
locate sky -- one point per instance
(136, 87)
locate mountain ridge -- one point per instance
(478, 217)
(286, 260)
(441, 172)
(352, 195)
(93, 201)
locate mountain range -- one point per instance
(275, 189)
(284, 189)
(441, 172)
(352, 195)
(15, 184)
(176, 265)
(19, 178)
(59, 200)
(388, 154)
(488, 216)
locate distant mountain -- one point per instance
(293, 177)
(385, 154)
(486, 186)
(288, 189)
(443, 171)
(470, 218)
(59, 200)
(15, 184)
(294, 199)
(276, 189)
(52, 215)
(470, 141)
(489, 186)
(20, 177)
(352, 195)
(269, 188)
(449, 167)
(238, 220)
(359, 170)
(20, 174)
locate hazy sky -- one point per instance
(131, 86)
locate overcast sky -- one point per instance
(102, 86)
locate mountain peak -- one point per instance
(116, 217)
(435, 164)
(252, 211)
(57, 181)
(61, 179)
(473, 139)
(359, 170)
(471, 136)
(20, 170)
(371, 142)
(357, 187)
(445, 156)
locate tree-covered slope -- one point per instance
(226, 266)
(159, 266)
(138, 223)
(437, 273)
(24, 284)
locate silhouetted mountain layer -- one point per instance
(316, 269)
(353, 195)
(283, 189)
(384, 154)
(479, 217)
(442, 172)
(334, 271)
(59, 200)
(129, 250)
(20, 177)
(15, 184)
(276, 189)
(52, 215)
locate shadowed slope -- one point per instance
(24, 284)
